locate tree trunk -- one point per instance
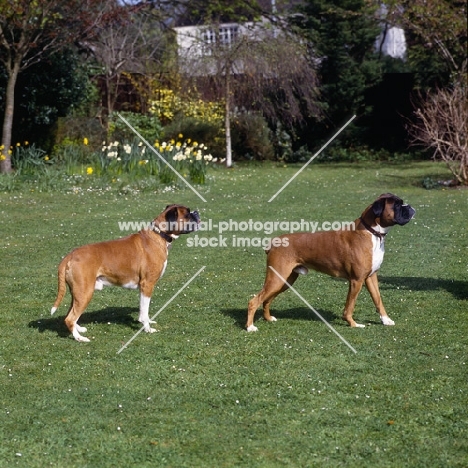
(228, 118)
(5, 158)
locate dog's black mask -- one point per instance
(174, 224)
(403, 213)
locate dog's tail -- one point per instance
(62, 286)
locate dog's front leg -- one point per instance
(144, 313)
(372, 284)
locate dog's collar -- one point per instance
(380, 235)
(164, 235)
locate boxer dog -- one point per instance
(355, 255)
(135, 262)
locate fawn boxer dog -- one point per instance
(355, 255)
(135, 262)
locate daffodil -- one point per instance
(85, 141)
(89, 170)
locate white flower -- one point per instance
(198, 157)
(179, 157)
(128, 149)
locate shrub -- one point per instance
(192, 117)
(148, 126)
(194, 129)
(251, 137)
(171, 106)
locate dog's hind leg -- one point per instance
(77, 307)
(274, 285)
(266, 304)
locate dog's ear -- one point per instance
(378, 207)
(172, 214)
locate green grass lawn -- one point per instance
(204, 392)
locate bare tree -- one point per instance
(254, 66)
(31, 31)
(442, 125)
(130, 40)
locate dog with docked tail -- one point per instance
(134, 262)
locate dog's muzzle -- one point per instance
(404, 214)
(193, 224)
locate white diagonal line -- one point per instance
(162, 308)
(313, 310)
(160, 157)
(312, 158)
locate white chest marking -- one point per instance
(164, 268)
(378, 250)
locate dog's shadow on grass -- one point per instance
(295, 313)
(458, 289)
(120, 315)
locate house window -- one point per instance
(225, 35)
(228, 35)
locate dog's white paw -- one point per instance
(82, 339)
(386, 320)
(78, 337)
(272, 319)
(52, 311)
(252, 328)
(76, 333)
(360, 325)
(148, 329)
